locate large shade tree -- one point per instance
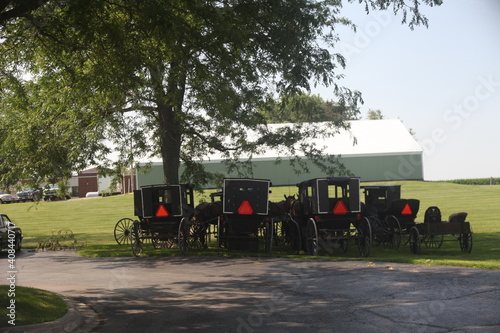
(176, 79)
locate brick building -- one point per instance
(91, 181)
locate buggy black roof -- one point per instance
(248, 179)
(190, 186)
(379, 186)
(331, 180)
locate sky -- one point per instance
(443, 81)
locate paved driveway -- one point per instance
(267, 295)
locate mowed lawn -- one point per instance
(92, 221)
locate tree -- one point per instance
(374, 114)
(13, 9)
(185, 78)
(307, 108)
(377, 115)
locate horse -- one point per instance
(205, 214)
(281, 212)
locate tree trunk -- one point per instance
(170, 144)
(169, 107)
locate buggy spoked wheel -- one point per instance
(197, 236)
(123, 234)
(221, 232)
(395, 232)
(312, 238)
(433, 241)
(268, 235)
(466, 242)
(415, 240)
(339, 242)
(136, 239)
(161, 240)
(183, 235)
(279, 233)
(364, 238)
(379, 230)
(343, 245)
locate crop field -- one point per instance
(91, 222)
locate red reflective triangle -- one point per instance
(340, 208)
(245, 208)
(162, 211)
(406, 210)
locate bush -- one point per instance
(63, 239)
(477, 181)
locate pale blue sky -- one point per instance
(443, 82)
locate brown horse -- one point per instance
(208, 212)
(282, 212)
(205, 214)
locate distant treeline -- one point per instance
(477, 181)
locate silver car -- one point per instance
(6, 198)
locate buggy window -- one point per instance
(330, 191)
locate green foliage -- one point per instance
(307, 108)
(63, 239)
(62, 189)
(477, 181)
(375, 114)
(176, 79)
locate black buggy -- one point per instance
(245, 223)
(390, 217)
(164, 219)
(328, 213)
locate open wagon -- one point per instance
(164, 218)
(245, 223)
(328, 212)
(433, 232)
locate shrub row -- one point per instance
(477, 181)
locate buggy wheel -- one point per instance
(123, 232)
(183, 234)
(312, 238)
(466, 242)
(414, 240)
(279, 233)
(268, 235)
(160, 240)
(136, 239)
(395, 232)
(343, 245)
(197, 236)
(433, 241)
(364, 238)
(219, 227)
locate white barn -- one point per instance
(374, 150)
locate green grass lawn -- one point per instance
(92, 222)
(31, 306)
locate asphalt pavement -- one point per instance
(186, 294)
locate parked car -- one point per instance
(53, 193)
(6, 198)
(28, 194)
(11, 237)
